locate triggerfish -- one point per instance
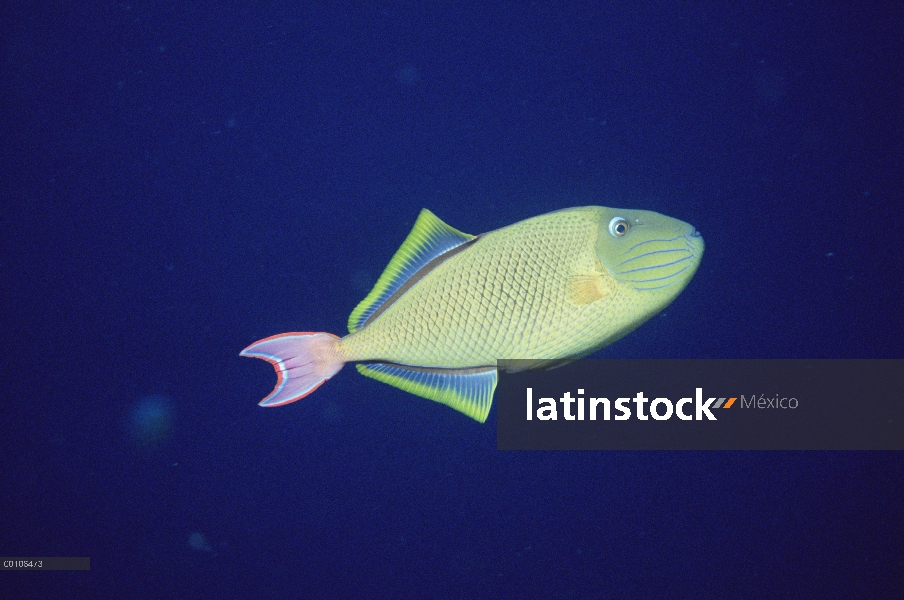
(548, 289)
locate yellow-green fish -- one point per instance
(449, 305)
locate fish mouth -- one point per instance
(660, 263)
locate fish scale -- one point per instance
(472, 309)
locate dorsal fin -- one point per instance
(429, 239)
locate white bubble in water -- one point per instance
(407, 75)
(151, 421)
(198, 542)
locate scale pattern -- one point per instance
(504, 297)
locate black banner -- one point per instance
(702, 405)
(45, 563)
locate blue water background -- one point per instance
(181, 179)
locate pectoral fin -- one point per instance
(586, 288)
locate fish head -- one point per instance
(650, 255)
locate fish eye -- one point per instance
(619, 226)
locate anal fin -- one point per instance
(469, 391)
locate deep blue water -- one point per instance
(181, 179)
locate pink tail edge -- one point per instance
(303, 361)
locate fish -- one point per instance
(449, 305)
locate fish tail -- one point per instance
(302, 360)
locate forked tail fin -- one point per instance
(302, 360)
